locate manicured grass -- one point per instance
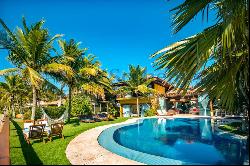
(50, 153)
(234, 128)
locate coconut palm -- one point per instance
(217, 58)
(30, 51)
(94, 80)
(136, 84)
(10, 89)
(87, 76)
(71, 56)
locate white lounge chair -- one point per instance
(162, 112)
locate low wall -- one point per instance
(5, 143)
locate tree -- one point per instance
(81, 105)
(72, 56)
(94, 80)
(29, 51)
(88, 77)
(136, 83)
(217, 58)
(11, 88)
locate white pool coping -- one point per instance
(86, 150)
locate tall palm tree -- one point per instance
(136, 84)
(72, 56)
(218, 57)
(30, 51)
(11, 88)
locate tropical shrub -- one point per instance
(81, 105)
(54, 112)
(113, 110)
(150, 112)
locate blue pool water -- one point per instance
(191, 141)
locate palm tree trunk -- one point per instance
(21, 105)
(34, 103)
(12, 106)
(69, 106)
(137, 106)
(60, 99)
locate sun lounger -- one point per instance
(102, 116)
(160, 113)
(165, 113)
(87, 118)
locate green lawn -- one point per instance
(51, 153)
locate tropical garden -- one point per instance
(37, 63)
(41, 74)
(46, 66)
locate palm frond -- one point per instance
(185, 12)
(8, 71)
(35, 78)
(58, 68)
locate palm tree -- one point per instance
(217, 58)
(12, 87)
(29, 50)
(136, 84)
(87, 77)
(93, 79)
(72, 56)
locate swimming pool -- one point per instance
(173, 141)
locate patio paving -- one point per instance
(85, 149)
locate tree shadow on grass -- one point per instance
(29, 154)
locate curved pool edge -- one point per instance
(85, 149)
(131, 154)
(146, 158)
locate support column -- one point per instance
(211, 108)
(197, 106)
(121, 111)
(196, 103)
(107, 108)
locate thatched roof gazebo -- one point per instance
(177, 95)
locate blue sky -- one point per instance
(118, 32)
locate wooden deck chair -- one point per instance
(56, 130)
(34, 132)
